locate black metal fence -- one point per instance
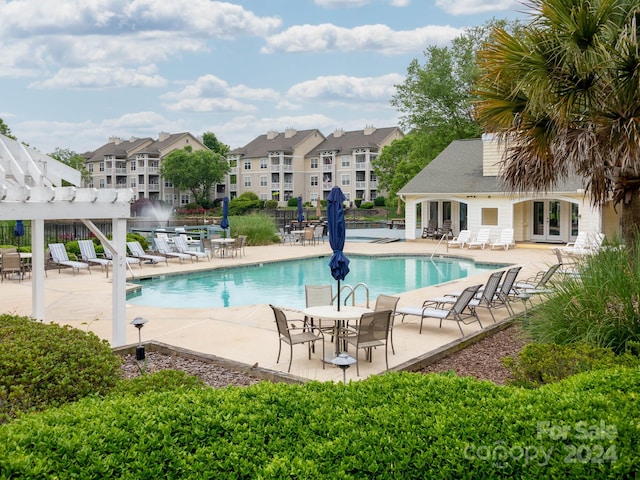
(58, 232)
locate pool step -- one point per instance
(386, 240)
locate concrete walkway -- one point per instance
(248, 334)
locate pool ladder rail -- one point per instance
(352, 292)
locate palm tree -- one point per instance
(563, 95)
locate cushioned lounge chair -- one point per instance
(137, 251)
(163, 248)
(183, 247)
(458, 311)
(89, 255)
(130, 260)
(60, 258)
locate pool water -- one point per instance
(282, 283)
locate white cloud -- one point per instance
(113, 17)
(212, 94)
(380, 38)
(357, 3)
(470, 7)
(344, 89)
(103, 77)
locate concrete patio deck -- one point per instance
(248, 334)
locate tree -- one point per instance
(435, 103)
(213, 144)
(5, 130)
(195, 171)
(74, 160)
(564, 98)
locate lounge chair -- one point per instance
(459, 241)
(481, 239)
(456, 312)
(445, 230)
(89, 255)
(486, 297)
(431, 229)
(579, 245)
(372, 331)
(506, 239)
(162, 247)
(60, 258)
(138, 252)
(183, 247)
(538, 285)
(130, 260)
(306, 335)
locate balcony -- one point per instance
(233, 187)
(153, 187)
(275, 168)
(327, 168)
(275, 185)
(288, 185)
(288, 168)
(327, 185)
(361, 185)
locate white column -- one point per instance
(37, 269)
(410, 219)
(119, 283)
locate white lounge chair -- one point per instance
(138, 252)
(89, 255)
(163, 248)
(481, 239)
(506, 239)
(60, 257)
(182, 246)
(130, 260)
(463, 238)
(580, 244)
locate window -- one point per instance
(101, 184)
(263, 181)
(184, 199)
(247, 181)
(314, 180)
(133, 183)
(346, 161)
(133, 164)
(264, 163)
(90, 167)
(314, 162)
(233, 180)
(247, 164)
(168, 184)
(264, 197)
(489, 216)
(168, 199)
(346, 180)
(101, 166)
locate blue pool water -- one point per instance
(282, 283)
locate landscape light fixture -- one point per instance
(139, 322)
(344, 361)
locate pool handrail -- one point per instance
(352, 292)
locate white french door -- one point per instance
(547, 225)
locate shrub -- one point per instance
(247, 201)
(271, 204)
(397, 425)
(379, 201)
(43, 365)
(162, 381)
(601, 306)
(366, 205)
(541, 363)
(260, 229)
(292, 202)
(358, 202)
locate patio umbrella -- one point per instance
(300, 212)
(339, 264)
(18, 231)
(225, 215)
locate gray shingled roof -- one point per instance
(355, 139)
(121, 150)
(458, 170)
(261, 146)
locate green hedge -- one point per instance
(43, 365)
(399, 425)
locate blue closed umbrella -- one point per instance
(300, 212)
(339, 264)
(18, 231)
(225, 214)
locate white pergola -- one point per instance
(31, 189)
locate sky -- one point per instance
(76, 72)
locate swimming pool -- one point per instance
(282, 283)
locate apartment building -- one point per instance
(135, 164)
(291, 163)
